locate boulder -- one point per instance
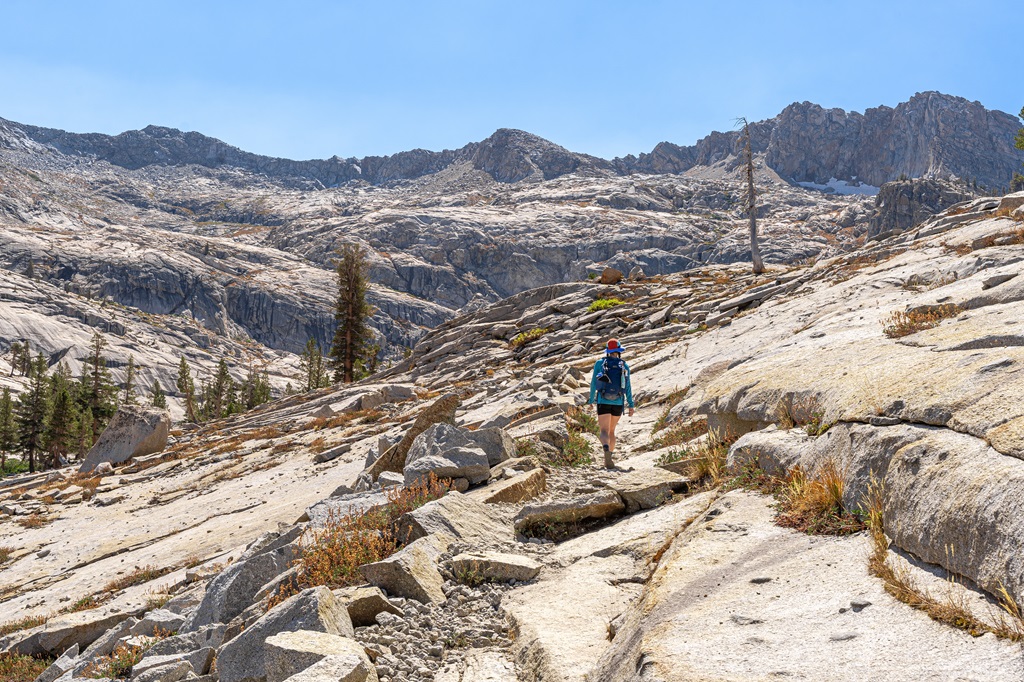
(610, 276)
(364, 603)
(210, 636)
(104, 645)
(524, 486)
(495, 566)
(412, 572)
(157, 620)
(172, 672)
(235, 588)
(596, 506)
(447, 452)
(61, 633)
(441, 410)
(390, 479)
(198, 660)
(556, 435)
(64, 663)
(335, 669)
(636, 274)
(458, 516)
(134, 431)
(496, 444)
(242, 658)
(648, 488)
(290, 653)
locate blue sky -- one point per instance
(306, 79)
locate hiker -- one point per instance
(611, 391)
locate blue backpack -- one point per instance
(611, 382)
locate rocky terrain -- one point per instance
(892, 366)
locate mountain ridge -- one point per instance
(930, 135)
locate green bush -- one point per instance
(604, 304)
(520, 340)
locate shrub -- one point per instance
(680, 433)
(604, 304)
(583, 421)
(899, 324)
(332, 554)
(17, 668)
(34, 520)
(523, 338)
(118, 665)
(576, 452)
(5, 554)
(814, 504)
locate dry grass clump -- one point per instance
(21, 624)
(16, 668)
(86, 603)
(5, 554)
(331, 555)
(343, 419)
(118, 665)
(705, 464)
(808, 503)
(899, 324)
(583, 421)
(950, 608)
(680, 433)
(140, 575)
(806, 413)
(34, 520)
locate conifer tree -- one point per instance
(15, 357)
(8, 427)
(129, 382)
(84, 433)
(99, 391)
(1019, 140)
(351, 313)
(33, 411)
(157, 397)
(221, 392)
(313, 367)
(62, 429)
(255, 389)
(187, 389)
(755, 250)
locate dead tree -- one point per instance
(755, 251)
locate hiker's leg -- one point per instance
(612, 421)
(604, 422)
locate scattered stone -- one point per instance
(336, 669)
(63, 664)
(610, 276)
(364, 603)
(458, 516)
(158, 619)
(199, 660)
(647, 488)
(390, 479)
(496, 443)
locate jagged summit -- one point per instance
(930, 135)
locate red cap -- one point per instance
(613, 346)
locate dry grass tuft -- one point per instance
(680, 433)
(951, 608)
(140, 575)
(671, 401)
(814, 504)
(899, 324)
(34, 520)
(344, 419)
(118, 665)
(5, 554)
(21, 624)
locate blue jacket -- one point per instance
(595, 397)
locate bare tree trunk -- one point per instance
(755, 251)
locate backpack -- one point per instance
(611, 383)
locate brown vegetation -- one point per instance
(138, 576)
(899, 324)
(15, 668)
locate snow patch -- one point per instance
(842, 187)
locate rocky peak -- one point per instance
(511, 155)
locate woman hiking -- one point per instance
(611, 391)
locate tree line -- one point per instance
(58, 416)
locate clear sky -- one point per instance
(310, 79)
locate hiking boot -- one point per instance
(608, 464)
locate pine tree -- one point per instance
(255, 390)
(221, 392)
(30, 271)
(129, 382)
(62, 428)
(15, 357)
(313, 368)
(84, 433)
(99, 390)
(351, 313)
(187, 389)
(8, 427)
(33, 411)
(157, 397)
(1019, 140)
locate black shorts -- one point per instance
(613, 410)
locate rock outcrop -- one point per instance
(905, 204)
(133, 431)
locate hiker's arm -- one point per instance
(593, 386)
(629, 390)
